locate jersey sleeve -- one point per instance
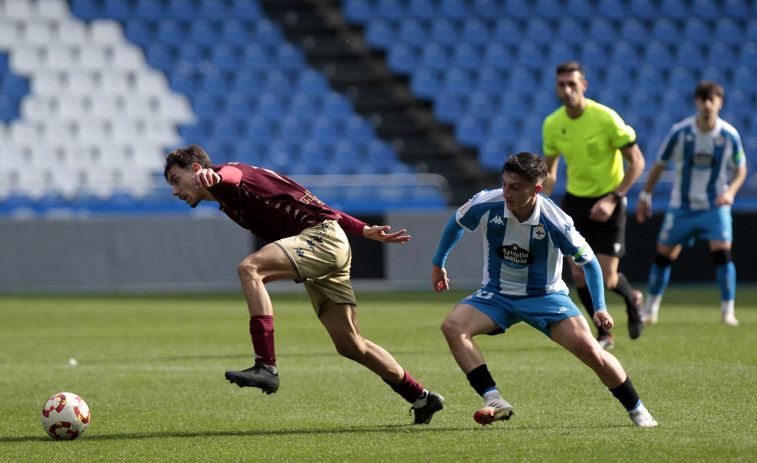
(739, 157)
(666, 149)
(351, 224)
(621, 134)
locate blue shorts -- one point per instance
(537, 311)
(684, 227)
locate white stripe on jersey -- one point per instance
(523, 258)
(700, 161)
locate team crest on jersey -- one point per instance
(514, 256)
(538, 232)
(720, 140)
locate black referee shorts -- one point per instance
(603, 237)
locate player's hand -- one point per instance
(379, 233)
(603, 319)
(439, 278)
(205, 178)
(643, 210)
(724, 199)
(603, 209)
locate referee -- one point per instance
(594, 141)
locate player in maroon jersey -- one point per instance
(307, 243)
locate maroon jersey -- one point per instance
(271, 205)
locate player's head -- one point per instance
(571, 83)
(708, 97)
(181, 164)
(184, 158)
(530, 166)
(522, 175)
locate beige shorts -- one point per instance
(322, 257)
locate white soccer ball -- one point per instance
(65, 416)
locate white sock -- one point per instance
(492, 395)
(726, 308)
(652, 307)
(420, 402)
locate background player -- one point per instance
(526, 237)
(701, 147)
(594, 141)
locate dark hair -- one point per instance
(708, 88)
(570, 66)
(185, 157)
(530, 166)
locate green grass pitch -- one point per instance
(151, 369)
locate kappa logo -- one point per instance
(562, 309)
(497, 219)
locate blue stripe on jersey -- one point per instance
(716, 168)
(495, 237)
(688, 154)
(537, 274)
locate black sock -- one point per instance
(585, 296)
(624, 289)
(626, 394)
(480, 379)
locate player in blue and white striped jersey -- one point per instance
(702, 148)
(526, 237)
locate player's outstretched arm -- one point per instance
(439, 278)
(379, 233)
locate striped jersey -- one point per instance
(523, 258)
(700, 160)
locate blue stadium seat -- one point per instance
(644, 103)
(744, 78)
(457, 80)
(531, 55)
(508, 31)
(190, 55)
(315, 155)
(498, 56)
(490, 80)
(151, 10)
(751, 29)
(85, 9)
(271, 107)
(651, 79)
(14, 85)
(160, 56)
(402, 58)
(455, 9)
(539, 30)
(619, 78)
(716, 73)
(325, 131)
(448, 107)
(522, 79)
(602, 29)
(658, 54)
(520, 9)
(550, 9)
(466, 55)
(257, 57)
(290, 57)
(434, 56)
(633, 30)
(544, 101)
(246, 10)
(392, 10)
(610, 98)
(706, 9)
(312, 82)
(514, 104)
(207, 106)
(304, 106)
(202, 32)
(183, 80)
(493, 154)
(682, 79)
(665, 30)
(593, 55)
(170, 32)
(532, 125)
(234, 32)
(268, 32)
(475, 30)
(258, 131)
(422, 9)
(677, 9)
(748, 54)
(582, 9)
(347, 155)
(359, 131)
(663, 122)
(358, 11)
(224, 56)
(696, 31)
(139, 32)
(626, 54)
(727, 30)
(737, 8)
(445, 31)
(277, 82)
(379, 33)
(293, 130)
(613, 9)
(118, 10)
(227, 129)
(424, 83)
(412, 31)
(470, 131)
(722, 54)
(9, 107)
(337, 106)
(181, 10)
(740, 103)
(571, 30)
(238, 106)
(486, 8)
(481, 105)
(503, 129)
(246, 81)
(690, 54)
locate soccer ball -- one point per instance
(65, 416)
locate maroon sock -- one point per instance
(408, 388)
(261, 331)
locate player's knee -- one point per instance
(451, 328)
(722, 256)
(662, 261)
(349, 349)
(247, 269)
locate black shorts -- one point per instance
(603, 237)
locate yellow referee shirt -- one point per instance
(590, 145)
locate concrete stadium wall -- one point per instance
(199, 254)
